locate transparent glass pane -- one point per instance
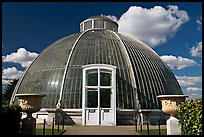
(105, 98)
(92, 99)
(98, 24)
(87, 25)
(92, 77)
(105, 79)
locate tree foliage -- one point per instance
(9, 91)
(190, 115)
(11, 118)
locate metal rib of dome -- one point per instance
(151, 76)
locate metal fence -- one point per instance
(58, 124)
(139, 126)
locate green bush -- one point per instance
(11, 118)
(190, 115)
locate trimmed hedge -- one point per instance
(11, 118)
(190, 115)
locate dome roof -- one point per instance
(57, 71)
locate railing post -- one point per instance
(136, 121)
(147, 126)
(53, 126)
(63, 123)
(44, 127)
(58, 126)
(159, 125)
(140, 123)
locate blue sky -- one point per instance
(172, 29)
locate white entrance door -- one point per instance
(98, 96)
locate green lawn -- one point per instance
(153, 132)
(47, 131)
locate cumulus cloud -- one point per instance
(153, 26)
(193, 89)
(178, 62)
(22, 56)
(191, 86)
(186, 81)
(11, 73)
(196, 50)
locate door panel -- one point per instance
(92, 116)
(106, 117)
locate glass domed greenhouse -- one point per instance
(98, 76)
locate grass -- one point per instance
(153, 132)
(47, 131)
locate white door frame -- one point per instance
(113, 93)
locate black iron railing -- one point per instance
(59, 132)
(149, 123)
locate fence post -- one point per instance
(140, 123)
(44, 127)
(63, 123)
(53, 126)
(58, 126)
(147, 126)
(159, 125)
(136, 122)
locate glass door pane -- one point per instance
(92, 99)
(92, 77)
(105, 78)
(105, 98)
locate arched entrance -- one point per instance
(99, 95)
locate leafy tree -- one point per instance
(9, 91)
(190, 114)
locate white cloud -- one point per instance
(11, 73)
(22, 56)
(193, 89)
(153, 26)
(178, 62)
(191, 85)
(199, 23)
(186, 81)
(196, 50)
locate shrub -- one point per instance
(11, 118)
(190, 115)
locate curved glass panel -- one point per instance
(46, 73)
(152, 76)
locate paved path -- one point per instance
(100, 130)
